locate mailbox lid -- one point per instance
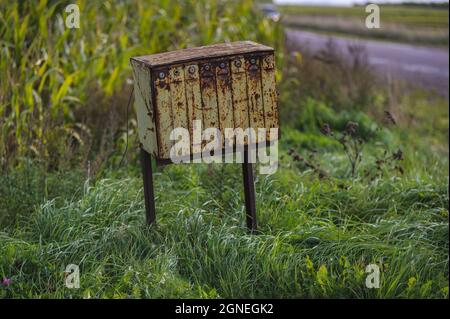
(203, 52)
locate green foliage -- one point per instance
(312, 114)
(24, 188)
(314, 84)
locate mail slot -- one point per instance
(229, 85)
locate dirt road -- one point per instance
(421, 65)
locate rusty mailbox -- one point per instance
(229, 85)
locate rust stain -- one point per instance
(224, 96)
(209, 96)
(164, 117)
(270, 94)
(254, 89)
(240, 97)
(144, 106)
(193, 96)
(203, 53)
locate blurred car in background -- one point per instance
(270, 11)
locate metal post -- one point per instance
(149, 195)
(249, 191)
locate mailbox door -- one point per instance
(194, 104)
(209, 95)
(224, 97)
(254, 91)
(240, 97)
(163, 111)
(269, 92)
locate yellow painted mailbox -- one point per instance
(229, 85)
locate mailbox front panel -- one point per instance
(269, 93)
(224, 92)
(163, 107)
(193, 99)
(240, 96)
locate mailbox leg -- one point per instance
(249, 191)
(149, 195)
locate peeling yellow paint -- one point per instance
(164, 117)
(209, 96)
(256, 106)
(144, 108)
(178, 97)
(269, 93)
(193, 96)
(224, 96)
(240, 97)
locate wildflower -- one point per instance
(298, 158)
(398, 156)
(326, 129)
(6, 281)
(351, 128)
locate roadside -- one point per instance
(408, 24)
(350, 27)
(425, 66)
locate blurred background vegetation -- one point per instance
(62, 85)
(71, 191)
(413, 23)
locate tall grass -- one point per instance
(315, 241)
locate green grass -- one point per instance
(316, 236)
